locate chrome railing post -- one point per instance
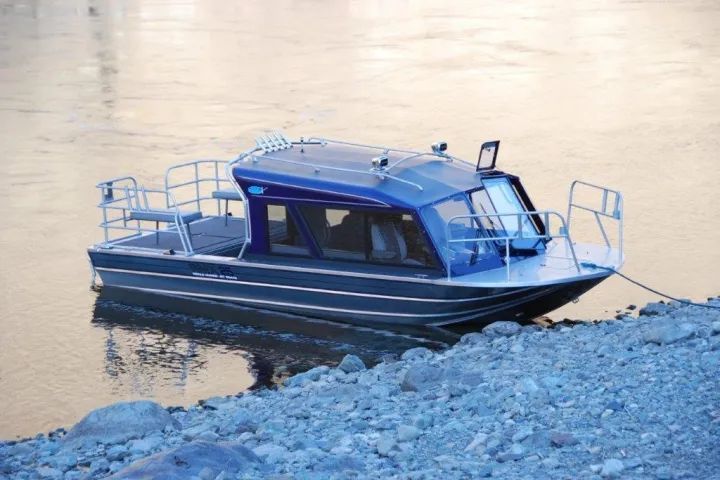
(507, 258)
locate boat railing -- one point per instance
(523, 232)
(607, 204)
(126, 206)
(198, 181)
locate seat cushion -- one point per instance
(166, 216)
(227, 194)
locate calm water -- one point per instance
(622, 93)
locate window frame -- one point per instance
(289, 214)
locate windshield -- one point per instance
(439, 219)
(499, 196)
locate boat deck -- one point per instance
(210, 236)
(551, 267)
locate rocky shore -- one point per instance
(636, 397)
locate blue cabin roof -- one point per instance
(346, 169)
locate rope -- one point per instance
(649, 289)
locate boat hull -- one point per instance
(336, 296)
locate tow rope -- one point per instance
(649, 289)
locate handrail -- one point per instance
(377, 173)
(411, 153)
(228, 173)
(197, 180)
(617, 213)
(545, 214)
(138, 195)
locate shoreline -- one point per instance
(634, 396)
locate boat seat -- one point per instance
(227, 194)
(165, 216)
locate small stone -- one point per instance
(516, 452)
(116, 452)
(562, 439)
(385, 445)
(48, 472)
(473, 338)
(144, 446)
(715, 328)
(502, 329)
(408, 432)
(612, 468)
(420, 377)
(478, 441)
(522, 434)
(654, 309)
(351, 363)
(418, 353)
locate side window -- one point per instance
(283, 234)
(340, 234)
(395, 238)
(368, 236)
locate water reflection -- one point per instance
(154, 340)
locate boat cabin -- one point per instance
(360, 206)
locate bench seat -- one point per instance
(165, 216)
(227, 194)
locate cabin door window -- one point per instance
(283, 234)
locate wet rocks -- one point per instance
(634, 398)
(120, 422)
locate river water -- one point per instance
(623, 93)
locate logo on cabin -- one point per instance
(256, 190)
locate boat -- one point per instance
(356, 233)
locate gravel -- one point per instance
(633, 398)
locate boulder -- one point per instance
(502, 329)
(189, 460)
(667, 332)
(119, 423)
(351, 363)
(420, 377)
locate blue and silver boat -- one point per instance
(356, 233)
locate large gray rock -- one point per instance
(189, 460)
(351, 363)
(420, 377)
(654, 309)
(119, 423)
(502, 329)
(668, 331)
(312, 375)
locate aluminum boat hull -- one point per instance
(335, 295)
